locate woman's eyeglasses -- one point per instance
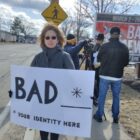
(50, 37)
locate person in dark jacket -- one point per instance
(113, 56)
(96, 65)
(52, 56)
(74, 49)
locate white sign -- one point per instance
(53, 100)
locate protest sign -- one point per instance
(52, 100)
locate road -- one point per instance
(10, 54)
(22, 54)
(19, 54)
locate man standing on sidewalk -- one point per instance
(113, 56)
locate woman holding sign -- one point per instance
(52, 56)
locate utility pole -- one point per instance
(79, 7)
(138, 70)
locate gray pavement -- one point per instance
(100, 131)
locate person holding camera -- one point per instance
(96, 65)
(74, 49)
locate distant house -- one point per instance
(7, 37)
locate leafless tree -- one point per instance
(28, 29)
(82, 21)
(68, 25)
(90, 7)
(76, 24)
(86, 10)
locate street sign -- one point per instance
(54, 13)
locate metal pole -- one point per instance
(54, 1)
(138, 70)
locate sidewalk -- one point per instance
(100, 131)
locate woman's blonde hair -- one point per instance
(59, 34)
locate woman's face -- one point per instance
(50, 39)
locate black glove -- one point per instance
(91, 97)
(10, 93)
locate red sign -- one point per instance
(128, 31)
(129, 26)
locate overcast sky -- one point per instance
(31, 10)
(28, 9)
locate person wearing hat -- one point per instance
(96, 65)
(113, 56)
(74, 49)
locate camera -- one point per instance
(88, 47)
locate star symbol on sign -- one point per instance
(76, 92)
